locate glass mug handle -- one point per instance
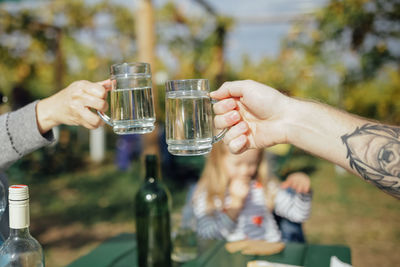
(102, 115)
(220, 135)
(105, 117)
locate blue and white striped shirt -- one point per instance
(255, 220)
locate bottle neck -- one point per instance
(19, 214)
(23, 232)
(151, 170)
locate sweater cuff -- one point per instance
(226, 224)
(23, 130)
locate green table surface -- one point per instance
(120, 251)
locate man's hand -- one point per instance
(254, 112)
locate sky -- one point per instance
(253, 33)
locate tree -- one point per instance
(353, 43)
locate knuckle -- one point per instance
(80, 83)
(102, 91)
(97, 122)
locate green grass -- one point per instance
(73, 212)
(347, 210)
(99, 194)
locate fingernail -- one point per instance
(243, 125)
(238, 142)
(231, 104)
(235, 116)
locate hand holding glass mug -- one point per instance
(189, 122)
(131, 100)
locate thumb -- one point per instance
(229, 89)
(106, 84)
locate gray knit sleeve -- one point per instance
(19, 135)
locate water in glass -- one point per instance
(132, 106)
(189, 123)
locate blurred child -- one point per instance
(235, 199)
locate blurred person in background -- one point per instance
(260, 116)
(30, 127)
(129, 148)
(236, 198)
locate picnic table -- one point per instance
(121, 251)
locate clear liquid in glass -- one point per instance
(3, 200)
(189, 123)
(184, 245)
(132, 110)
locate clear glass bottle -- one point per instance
(3, 205)
(20, 249)
(184, 235)
(152, 208)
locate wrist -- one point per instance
(44, 116)
(290, 119)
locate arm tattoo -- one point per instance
(373, 151)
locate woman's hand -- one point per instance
(71, 106)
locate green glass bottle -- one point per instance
(152, 207)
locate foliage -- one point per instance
(352, 48)
(46, 46)
(196, 43)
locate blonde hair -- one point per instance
(214, 179)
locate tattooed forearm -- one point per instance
(374, 152)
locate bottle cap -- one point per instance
(19, 206)
(18, 192)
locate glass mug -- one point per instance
(131, 100)
(189, 122)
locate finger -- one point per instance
(89, 119)
(238, 145)
(226, 120)
(236, 131)
(96, 90)
(245, 147)
(106, 84)
(228, 89)
(94, 102)
(224, 106)
(296, 185)
(306, 188)
(285, 184)
(303, 189)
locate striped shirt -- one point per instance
(255, 220)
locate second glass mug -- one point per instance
(131, 100)
(189, 121)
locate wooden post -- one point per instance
(97, 144)
(146, 39)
